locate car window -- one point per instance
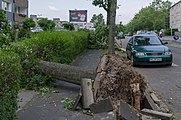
(130, 40)
(147, 40)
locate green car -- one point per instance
(148, 49)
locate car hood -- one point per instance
(153, 48)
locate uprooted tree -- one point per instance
(118, 80)
(114, 77)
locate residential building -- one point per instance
(8, 7)
(16, 10)
(175, 16)
(57, 22)
(20, 10)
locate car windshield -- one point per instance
(147, 40)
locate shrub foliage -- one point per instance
(10, 75)
(19, 64)
(61, 47)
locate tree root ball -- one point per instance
(119, 80)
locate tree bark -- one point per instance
(108, 17)
(66, 73)
(112, 13)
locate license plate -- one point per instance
(155, 59)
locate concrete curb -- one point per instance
(161, 106)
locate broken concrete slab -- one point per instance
(155, 98)
(78, 100)
(145, 117)
(149, 103)
(161, 115)
(105, 105)
(127, 112)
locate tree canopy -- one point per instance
(110, 6)
(153, 17)
(106, 5)
(5, 27)
(28, 23)
(46, 24)
(68, 26)
(5, 30)
(97, 20)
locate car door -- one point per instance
(129, 47)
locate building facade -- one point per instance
(16, 10)
(175, 16)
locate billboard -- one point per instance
(77, 15)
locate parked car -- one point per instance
(148, 49)
(36, 29)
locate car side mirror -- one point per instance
(165, 43)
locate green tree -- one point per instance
(106, 5)
(46, 24)
(153, 17)
(120, 27)
(5, 27)
(5, 30)
(68, 26)
(97, 20)
(28, 23)
(110, 7)
(24, 32)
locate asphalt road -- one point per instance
(165, 81)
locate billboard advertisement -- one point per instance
(77, 15)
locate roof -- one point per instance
(149, 33)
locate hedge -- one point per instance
(10, 75)
(55, 46)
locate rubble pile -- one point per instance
(118, 80)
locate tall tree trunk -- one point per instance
(108, 17)
(112, 17)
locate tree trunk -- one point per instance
(108, 17)
(112, 17)
(66, 73)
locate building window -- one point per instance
(6, 6)
(17, 9)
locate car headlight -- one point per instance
(168, 53)
(140, 54)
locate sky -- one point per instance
(60, 8)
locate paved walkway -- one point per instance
(49, 106)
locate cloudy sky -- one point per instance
(60, 8)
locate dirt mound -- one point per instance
(119, 80)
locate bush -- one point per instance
(9, 84)
(55, 46)
(4, 40)
(99, 38)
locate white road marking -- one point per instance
(174, 65)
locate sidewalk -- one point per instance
(49, 106)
